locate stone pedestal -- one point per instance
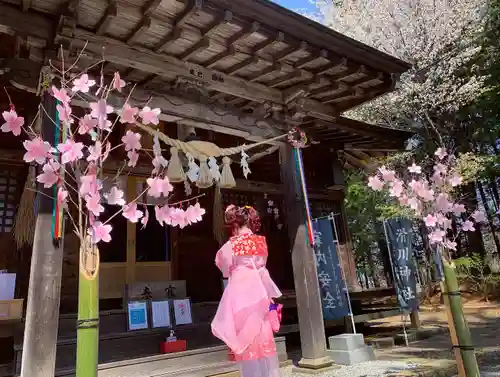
(349, 349)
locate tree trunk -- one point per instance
(488, 215)
(475, 239)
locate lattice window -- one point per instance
(8, 193)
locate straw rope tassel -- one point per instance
(227, 177)
(205, 180)
(175, 172)
(24, 224)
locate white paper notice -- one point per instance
(161, 314)
(7, 286)
(182, 311)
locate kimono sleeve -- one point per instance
(224, 259)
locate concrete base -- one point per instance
(349, 349)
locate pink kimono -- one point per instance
(244, 320)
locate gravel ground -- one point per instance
(368, 369)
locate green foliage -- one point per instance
(479, 274)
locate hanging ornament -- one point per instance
(175, 172)
(227, 178)
(193, 172)
(214, 169)
(297, 138)
(205, 179)
(244, 164)
(187, 188)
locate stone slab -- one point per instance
(308, 371)
(382, 342)
(346, 342)
(352, 357)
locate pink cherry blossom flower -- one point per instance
(387, 175)
(159, 187)
(440, 169)
(132, 141)
(414, 204)
(150, 116)
(194, 213)
(70, 150)
(86, 124)
(36, 150)
(443, 221)
(95, 151)
(145, 219)
(50, 175)
(375, 183)
(133, 157)
(159, 162)
(452, 245)
(161, 215)
(100, 111)
(442, 203)
(64, 112)
(403, 200)
(178, 218)
(430, 220)
(458, 209)
(436, 178)
(415, 169)
(118, 83)
(131, 213)
(440, 153)
(128, 114)
(62, 195)
(115, 196)
(61, 95)
(479, 216)
(100, 232)
(93, 203)
(13, 123)
(455, 181)
(437, 236)
(468, 226)
(82, 84)
(396, 188)
(88, 184)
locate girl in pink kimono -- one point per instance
(247, 316)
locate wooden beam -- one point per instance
(280, 37)
(163, 65)
(287, 53)
(244, 33)
(194, 49)
(270, 69)
(284, 78)
(344, 95)
(220, 20)
(139, 31)
(171, 37)
(151, 7)
(26, 24)
(342, 65)
(26, 5)
(317, 110)
(105, 21)
(230, 51)
(301, 63)
(242, 65)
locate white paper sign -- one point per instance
(182, 311)
(161, 314)
(7, 286)
(137, 315)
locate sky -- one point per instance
(296, 4)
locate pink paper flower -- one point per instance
(95, 151)
(455, 181)
(150, 116)
(37, 150)
(440, 153)
(415, 169)
(70, 150)
(468, 226)
(387, 175)
(479, 217)
(440, 169)
(145, 219)
(414, 204)
(396, 188)
(100, 232)
(93, 203)
(133, 157)
(194, 213)
(62, 195)
(64, 112)
(162, 215)
(86, 124)
(50, 175)
(118, 83)
(131, 213)
(458, 209)
(132, 141)
(115, 196)
(100, 111)
(128, 114)
(61, 95)
(88, 184)
(437, 236)
(159, 187)
(375, 183)
(442, 203)
(13, 123)
(178, 218)
(82, 84)
(449, 244)
(430, 220)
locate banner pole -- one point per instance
(339, 256)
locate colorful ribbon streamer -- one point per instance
(299, 164)
(60, 136)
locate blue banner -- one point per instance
(399, 234)
(331, 284)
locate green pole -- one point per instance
(463, 333)
(87, 342)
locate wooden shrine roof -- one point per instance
(250, 56)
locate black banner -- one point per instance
(399, 234)
(331, 284)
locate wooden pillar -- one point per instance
(42, 313)
(131, 233)
(310, 312)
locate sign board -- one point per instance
(7, 286)
(137, 315)
(158, 290)
(399, 234)
(331, 283)
(182, 312)
(160, 311)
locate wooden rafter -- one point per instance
(195, 48)
(230, 51)
(225, 18)
(139, 31)
(105, 21)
